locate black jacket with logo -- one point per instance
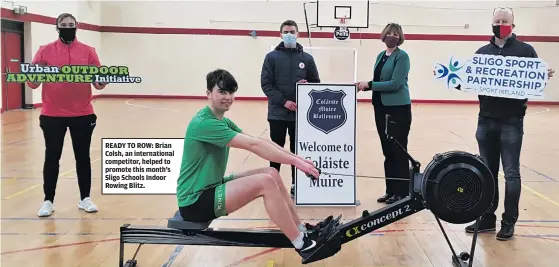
(499, 107)
(282, 69)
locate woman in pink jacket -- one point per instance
(66, 105)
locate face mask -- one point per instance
(289, 40)
(67, 34)
(502, 31)
(391, 41)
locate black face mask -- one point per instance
(502, 31)
(67, 35)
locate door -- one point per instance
(12, 93)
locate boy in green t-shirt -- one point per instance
(203, 193)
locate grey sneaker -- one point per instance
(46, 209)
(87, 205)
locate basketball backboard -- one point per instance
(329, 13)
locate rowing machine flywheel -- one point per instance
(457, 187)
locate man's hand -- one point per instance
(304, 159)
(290, 105)
(550, 72)
(307, 160)
(302, 81)
(307, 167)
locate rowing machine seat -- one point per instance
(177, 222)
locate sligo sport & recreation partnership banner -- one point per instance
(325, 133)
(508, 77)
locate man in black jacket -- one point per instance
(283, 68)
(500, 128)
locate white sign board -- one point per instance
(326, 130)
(146, 166)
(507, 77)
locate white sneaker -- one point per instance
(87, 205)
(46, 209)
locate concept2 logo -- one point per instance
(390, 216)
(452, 79)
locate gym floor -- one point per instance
(71, 237)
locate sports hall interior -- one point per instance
(172, 45)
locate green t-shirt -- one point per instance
(205, 155)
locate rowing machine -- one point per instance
(456, 186)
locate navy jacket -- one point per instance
(282, 69)
(499, 107)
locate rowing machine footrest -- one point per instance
(177, 222)
(326, 249)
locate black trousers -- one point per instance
(500, 140)
(396, 163)
(54, 132)
(278, 136)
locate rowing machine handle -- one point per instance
(312, 177)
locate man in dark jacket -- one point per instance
(500, 128)
(283, 68)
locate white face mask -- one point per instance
(289, 40)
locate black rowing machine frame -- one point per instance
(201, 235)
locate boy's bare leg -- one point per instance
(277, 178)
(240, 192)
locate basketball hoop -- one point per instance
(342, 32)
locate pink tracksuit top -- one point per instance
(66, 99)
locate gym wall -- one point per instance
(172, 45)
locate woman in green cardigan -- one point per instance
(391, 96)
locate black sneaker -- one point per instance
(309, 246)
(485, 225)
(506, 232)
(316, 240)
(393, 199)
(320, 225)
(384, 198)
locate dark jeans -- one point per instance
(277, 134)
(502, 140)
(54, 131)
(396, 163)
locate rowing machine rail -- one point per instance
(180, 232)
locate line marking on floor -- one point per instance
(248, 258)
(219, 219)
(539, 173)
(128, 102)
(540, 195)
(173, 256)
(37, 185)
(60, 246)
(375, 233)
(245, 259)
(268, 251)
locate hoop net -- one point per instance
(343, 23)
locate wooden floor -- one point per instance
(73, 238)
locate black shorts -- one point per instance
(203, 210)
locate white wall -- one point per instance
(176, 64)
(37, 34)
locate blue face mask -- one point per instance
(289, 40)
